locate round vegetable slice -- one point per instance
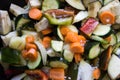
(34, 64)
(107, 17)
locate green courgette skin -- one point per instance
(112, 42)
(56, 33)
(88, 47)
(62, 61)
(50, 4)
(23, 22)
(72, 71)
(25, 16)
(54, 21)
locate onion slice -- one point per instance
(43, 52)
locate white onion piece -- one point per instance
(19, 77)
(84, 71)
(43, 52)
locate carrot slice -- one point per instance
(30, 45)
(57, 74)
(37, 74)
(108, 38)
(71, 37)
(46, 41)
(107, 17)
(31, 54)
(35, 13)
(64, 30)
(24, 54)
(46, 31)
(96, 73)
(76, 47)
(77, 57)
(30, 39)
(82, 40)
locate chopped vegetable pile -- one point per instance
(61, 40)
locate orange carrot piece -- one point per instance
(107, 17)
(31, 54)
(37, 74)
(35, 13)
(24, 54)
(81, 37)
(46, 41)
(77, 57)
(71, 37)
(82, 40)
(57, 74)
(46, 31)
(76, 47)
(30, 45)
(30, 39)
(64, 30)
(96, 73)
(108, 38)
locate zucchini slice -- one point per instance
(80, 16)
(118, 36)
(102, 30)
(34, 64)
(21, 20)
(59, 33)
(76, 4)
(73, 28)
(100, 39)
(112, 42)
(58, 62)
(116, 49)
(107, 1)
(68, 55)
(92, 49)
(114, 39)
(57, 45)
(50, 4)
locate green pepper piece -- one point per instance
(60, 21)
(9, 55)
